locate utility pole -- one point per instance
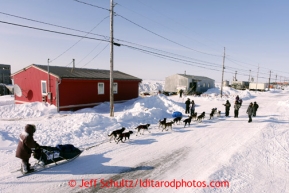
(223, 74)
(250, 76)
(276, 82)
(48, 90)
(269, 81)
(111, 60)
(235, 75)
(257, 77)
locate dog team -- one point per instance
(121, 135)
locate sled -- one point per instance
(49, 157)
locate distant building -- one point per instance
(190, 84)
(240, 85)
(258, 86)
(72, 88)
(5, 79)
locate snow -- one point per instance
(252, 157)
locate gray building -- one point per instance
(5, 79)
(190, 84)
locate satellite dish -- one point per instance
(17, 90)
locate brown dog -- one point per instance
(142, 127)
(188, 121)
(124, 135)
(162, 122)
(213, 112)
(115, 133)
(201, 117)
(169, 124)
(194, 116)
(177, 119)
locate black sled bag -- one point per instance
(48, 154)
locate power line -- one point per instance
(79, 39)
(165, 37)
(89, 53)
(57, 32)
(37, 21)
(96, 55)
(170, 53)
(40, 29)
(150, 30)
(168, 57)
(92, 5)
(106, 37)
(161, 24)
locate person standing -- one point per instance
(193, 107)
(227, 108)
(237, 98)
(255, 108)
(250, 112)
(181, 93)
(26, 143)
(236, 109)
(188, 102)
(240, 102)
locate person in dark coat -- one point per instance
(192, 108)
(25, 145)
(250, 112)
(237, 98)
(236, 109)
(240, 102)
(255, 108)
(227, 108)
(188, 102)
(181, 93)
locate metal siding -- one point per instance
(76, 92)
(29, 81)
(175, 81)
(81, 92)
(127, 90)
(182, 82)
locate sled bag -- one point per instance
(177, 114)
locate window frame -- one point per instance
(115, 88)
(98, 88)
(46, 91)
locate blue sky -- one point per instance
(158, 38)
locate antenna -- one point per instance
(17, 90)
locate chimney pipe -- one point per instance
(73, 64)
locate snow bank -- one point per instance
(151, 86)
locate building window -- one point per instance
(204, 85)
(208, 85)
(43, 87)
(100, 88)
(115, 88)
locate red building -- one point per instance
(72, 88)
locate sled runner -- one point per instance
(49, 157)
